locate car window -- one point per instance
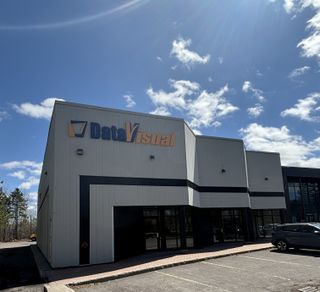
(291, 228)
(306, 229)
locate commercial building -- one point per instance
(302, 194)
(117, 183)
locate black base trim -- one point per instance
(265, 194)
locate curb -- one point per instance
(56, 288)
(164, 266)
(42, 265)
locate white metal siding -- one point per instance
(199, 159)
(264, 172)
(215, 154)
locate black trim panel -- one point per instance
(265, 194)
(300, 172)
(86, 181)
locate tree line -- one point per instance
(15, 223)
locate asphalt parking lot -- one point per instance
(18, 270)
(266, 270)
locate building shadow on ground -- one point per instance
(301, 252)
(18, 268)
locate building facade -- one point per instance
(302, 194)
(117, 183)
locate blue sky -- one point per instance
(244, 69)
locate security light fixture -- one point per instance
(151, 157)
(223, 170)
(266, 178)
(79, 151)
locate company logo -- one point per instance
(77, 128)
(129, 134)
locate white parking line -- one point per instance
(282, 278)
(239, 269)
(309, 289)
(278, 262)
(191, 281)
(218, 265)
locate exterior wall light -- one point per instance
(223, 170)
(151, 157)
(79, 151)
(266, 178)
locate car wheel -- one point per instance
(282, 245)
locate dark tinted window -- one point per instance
(291, 228)
(306, 229)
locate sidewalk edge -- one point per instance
(164, 266)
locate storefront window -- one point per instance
(266, 221)
(188, 228)
(232, 225)
(304, 200)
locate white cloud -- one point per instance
(176, 98)
(288, 5)
(246, 86)
(221, 60)
(184, 55)
(29, 183)
(306, 109)
(28, 172)
(38, 111)
(20, 174)
(293, 149)
(32, 198)
(201, 107)
(196, 131)
(255, 111)
(129, 100)
(159, 58)
(32, 167)
(257, 93)
(207, 109)
(3, 115)
(210, 79)
(161, 111)
(298, 72)
(310, 45)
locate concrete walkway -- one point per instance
(139, 264)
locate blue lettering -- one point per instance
(105, 133)
(122, 136)
(95, 131)
(114, 133)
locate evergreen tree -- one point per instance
(4, 214)
(17, 209)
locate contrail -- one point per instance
(61, 24)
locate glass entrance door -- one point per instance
(171, 227)
(162, 228)
(151, 228)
